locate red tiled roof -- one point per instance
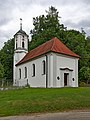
(54, 45)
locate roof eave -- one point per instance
(47, 53)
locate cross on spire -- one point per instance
(20, 23)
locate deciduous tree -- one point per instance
(46, 27)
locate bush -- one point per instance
(83, 84)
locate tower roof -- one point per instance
(21, 31)
(53, 45)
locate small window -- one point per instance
(43, 67)
(33, 70)
(23, 44)
(19, 73)
(25, 72)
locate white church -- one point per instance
(51, 64)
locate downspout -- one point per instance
(46, 71)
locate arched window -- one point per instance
(33, 70)
(19, 73)
(25, 72)
(43, 67)
(22, 43)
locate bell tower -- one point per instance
(20, 49)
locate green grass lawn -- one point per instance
(34, 100)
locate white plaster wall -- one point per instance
(50, 72)
(26, 42)
(64, 61)
(76, 73)
(39, 80)
(17, 57)
(55, 62)
(19, 39)
(52, 66)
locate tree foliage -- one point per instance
(1, 71)
(6, 58)
(46, 27)
(84, 73)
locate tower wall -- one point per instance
(19, 40)
(21, 49)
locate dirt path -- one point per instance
(74, 115)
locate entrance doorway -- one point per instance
(66, 75)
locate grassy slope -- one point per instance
(14, 102)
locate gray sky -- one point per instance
(75, 14)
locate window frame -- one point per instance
(23, 43)
(20, 73)
(33, 70)
(25, 72)
(43, 67)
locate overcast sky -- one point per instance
(75, 14)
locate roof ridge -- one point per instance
(53, 44)
(43, 44)
(39, 46)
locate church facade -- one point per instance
(51, 64)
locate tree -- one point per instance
(84, 74)
(1, 74)
(46, 27)
(1, 71)
(6, 58)
(77, 43)
(88, 50)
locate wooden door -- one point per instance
(65, 78)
